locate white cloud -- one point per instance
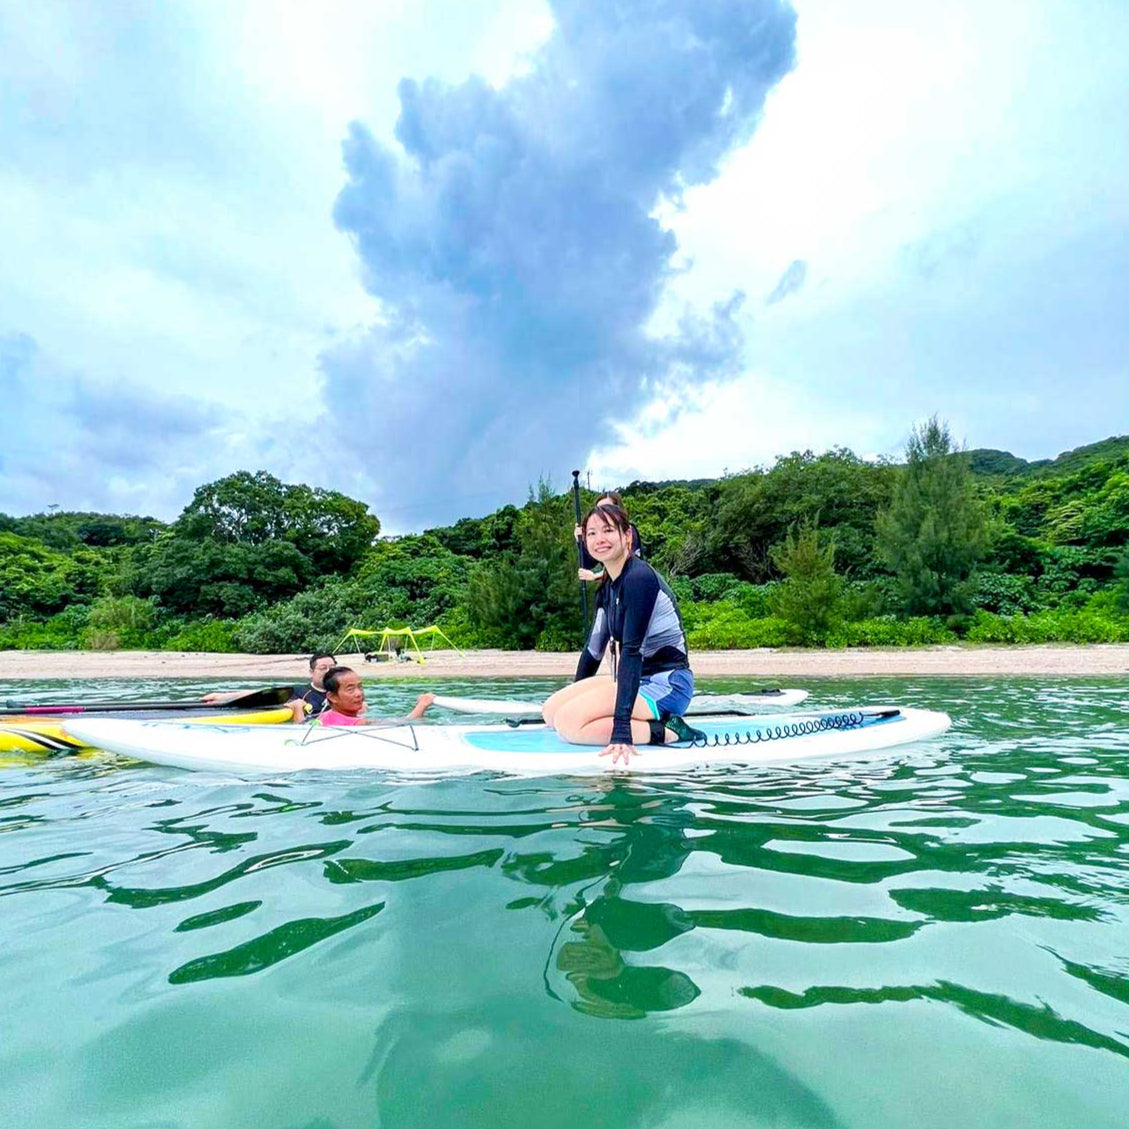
(952, 173)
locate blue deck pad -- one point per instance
(542, 739)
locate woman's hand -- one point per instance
(617, 751)
(587, 574)
(578, 533)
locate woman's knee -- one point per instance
(554, 702)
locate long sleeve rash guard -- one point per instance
(637, 613)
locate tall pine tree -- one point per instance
(808, 599)
(529, 597)
(935, 531)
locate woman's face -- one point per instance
(605, 541)
(349, 697)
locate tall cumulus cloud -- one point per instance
(513, 243)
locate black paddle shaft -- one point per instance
(253, 699)
(579, 546)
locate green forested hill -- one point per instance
(986, 461)
(825, 549)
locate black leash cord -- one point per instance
(803, 728)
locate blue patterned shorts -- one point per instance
(667, 693)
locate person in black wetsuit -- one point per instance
(308, 700)
(651, 684)
(590, 568)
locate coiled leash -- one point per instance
(804, 727)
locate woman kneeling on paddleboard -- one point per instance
(651, 684)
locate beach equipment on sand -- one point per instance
(756, 701)
(45, 735)
(390, 641)
(523, 750)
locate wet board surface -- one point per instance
(527, 750)
(762, 701)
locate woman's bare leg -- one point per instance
(599, 732)
(570, 692)
(586, 719)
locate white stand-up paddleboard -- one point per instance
(527, 750)
(702, 705)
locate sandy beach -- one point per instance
(1051, 660)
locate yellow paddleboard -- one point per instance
(39, 735)
(272, 716)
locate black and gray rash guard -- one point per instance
(637, 613)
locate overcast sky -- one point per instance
(426, 251)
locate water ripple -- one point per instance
(691, 949)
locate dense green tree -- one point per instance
(935, 531)
(299, 564)
(480, 537)
(334, 532)
(674, 525)
(413, 580)
(313, 620)
(529, 597)
(39, 581)
(1121, 578)
(103, 532)
(33, 578)
(755, 511)
(808, 600)
(219, 578)
(67, 530)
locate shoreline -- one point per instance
(942, 661)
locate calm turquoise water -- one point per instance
(939, 938)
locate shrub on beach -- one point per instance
(61, 632)
(1090, 624)
(888, 631)
(119, 622)
(215, 636)
(722, 626)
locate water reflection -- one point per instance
(499, 1064)
(659, 951)
(278, 944)
(1038, 1020)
